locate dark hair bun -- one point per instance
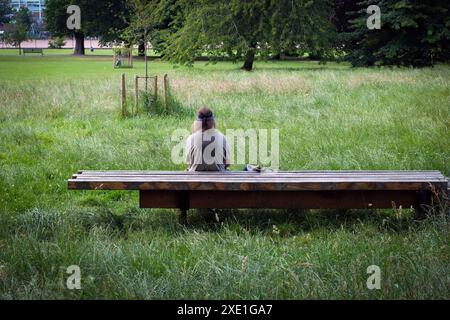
(205, 113)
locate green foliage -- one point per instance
(5, 11)
(155, 105)
(104, 19)
(16, 32)
(149, 102)
(413, 33)
(153, 21)
(140, 21)
(23, 18)
(245, 29)
(168, 20)
(56, 43)
(122, 51)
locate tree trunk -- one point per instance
(20, 50)
(141, 49)
(79, 44)
(249, 58)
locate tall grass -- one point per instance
(61, 114)
(146, 255)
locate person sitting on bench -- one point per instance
(207, 148)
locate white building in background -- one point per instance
(36, 7)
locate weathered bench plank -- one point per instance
(246, 181)
(393, 174)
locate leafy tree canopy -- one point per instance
(413, 33)
(17, 30)
(153, 20)
(105, 19)
(5, 11)
(245, 29)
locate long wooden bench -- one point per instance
(33, 50)
(300, 189)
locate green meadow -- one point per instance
(60, 114)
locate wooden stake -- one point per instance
(155, 88)
(136, 94)
(146, 60)
(123, 96)
(166, 89)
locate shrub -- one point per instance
(56, 43)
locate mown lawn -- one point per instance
(61, 114)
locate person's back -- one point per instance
(207, 148)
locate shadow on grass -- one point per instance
(45, 225)
(292, 222)
(284, 223)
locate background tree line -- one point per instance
(413, 32)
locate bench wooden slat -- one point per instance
(320, 172)
(264, 177)
(256, 179)
(243, 186)
(267, 176)
(232, 175)
(250, 181)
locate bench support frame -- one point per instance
(370, 199)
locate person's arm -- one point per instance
(227, 154)
(188, 153)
